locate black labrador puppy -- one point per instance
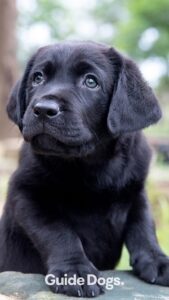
(79, 192)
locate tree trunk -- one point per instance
(8, 62)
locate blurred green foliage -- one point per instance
(141, 28)
(131, 18)
(52, 13)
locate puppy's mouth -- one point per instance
(64, 141)
(45, 140)
(45, 144)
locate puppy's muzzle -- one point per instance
(46, 109)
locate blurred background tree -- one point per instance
(139, 29)
(8, 61)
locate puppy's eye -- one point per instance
(91, 81)
(37, 78)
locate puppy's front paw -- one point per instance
(153, 269)
(74, 281)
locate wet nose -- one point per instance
(48, 109)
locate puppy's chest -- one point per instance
(80, 201)
(74, 200)
(101, 234)
(97, 218)
(86, 210)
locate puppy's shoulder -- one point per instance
(138, 155)
(141, 147)
(29, 168)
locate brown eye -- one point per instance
(37, 78)
(91, 81)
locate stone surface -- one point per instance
(18, 286)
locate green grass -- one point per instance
(124, 261)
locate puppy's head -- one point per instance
(74, 95)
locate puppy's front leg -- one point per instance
(60, 249)
(146, 257)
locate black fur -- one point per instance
(78, 194)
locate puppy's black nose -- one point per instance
(46, 108)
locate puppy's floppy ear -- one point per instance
(133, 105)
(17, 101)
